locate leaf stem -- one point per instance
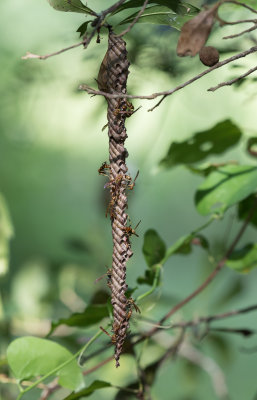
(170, 250)
(158, 268)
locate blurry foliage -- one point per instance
(62, 245)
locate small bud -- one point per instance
(209, 56)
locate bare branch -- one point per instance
(6, 379)
(171, 91)
(240, 21)
(135, 20)
(112, 8)
(241, 4)
(229, 83)
(210, 278)
(253, 28)
(97, 23)
(56, 53)
(85, 42)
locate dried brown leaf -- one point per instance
(195, 32)
(102, 75)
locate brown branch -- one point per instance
(229, 83)
(240, 21)
(184, 324)
(99, 365)
(97, 23)
(210, 278)
(85, 42)
(210, 318)
(6, 379)
(186, 300)
(171, 91)
(112, 8)
(135, 20)
(241, 4)
(253, 28)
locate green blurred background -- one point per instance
(51, 146)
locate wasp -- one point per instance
(104, 169)
(130, 305)
(131, 184)
(116, 182)
(113, 337)
(126, 109)
(129, 231)
(111, 207)
(108, 274)
(124, 181)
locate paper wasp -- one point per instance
(131, 183)
(104, 169)
(124, 181)
(130, 305)
(126, 109)
(129, 231)
(108, 274)
(113, 337)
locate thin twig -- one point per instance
(210, 278)
(171, 91)
(253, 28)
(211, 318)
(101, 364)
(97, 23)
(241, 4)
(240, 21)
(188, 298)
(112, 8)
(44, 57)
(135, 20)
(6, 379)
(229, 83)
(85, 42)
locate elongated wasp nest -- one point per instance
(112, 78)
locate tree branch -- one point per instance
(253, 28)
(97, 23)
(229, 83)
(210, 278)
(135, 20)
(171, 91)
(241, 4)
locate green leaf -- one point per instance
(92, 315)
(30, 357)
(225, 187)
(83, 28)
(244, 207)
(159, 15)
(215, 140)
(175, 5)
(70, 6)
(243, 260)
(96, 385)
(154, 248)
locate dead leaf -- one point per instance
(102, 75)
(195, 32)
